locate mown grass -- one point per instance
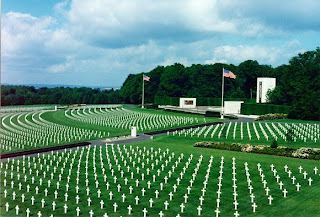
(302, 203)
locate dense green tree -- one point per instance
(298, 85)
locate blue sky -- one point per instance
(98, 42)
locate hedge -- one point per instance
(261, 109)
(304, 153)
(166, 100)
(201, 101)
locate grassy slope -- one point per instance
(303, 203)
(59, 118)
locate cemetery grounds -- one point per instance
(165, 176)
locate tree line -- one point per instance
(29, 95)
(298, 85)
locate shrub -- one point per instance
(308, 153)
(272, 116)
(274, 144)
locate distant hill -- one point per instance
(37, 86)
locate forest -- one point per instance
(298, 86)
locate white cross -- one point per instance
(298, 187)
(108, 185)
(235, 203)
(201, 200)
(88, 191)
(189, 189)
(39, 214)
(131, 189)
(161, 214)
(281, 184)
(115, 205)
(157, 193)
(293, 179)
(110, 194)
(65, 208)
(199, 210)
(254, 206)
(236, 214)
(151, 202)
(137, 200)
(144, 212)
(143, 191)
(101, 204)
(305, 174)
(53, 205)
(182, 206)
(285, 192)
(22, 197)
(300, 169)
(217, 212)
(166, 204)
(171, 195)
(270, 199)
(218, 202)
(17, 209)
(78, 211)
(129, 209)
(28, 212)
(315, 170)
(123, 197)
(91, 213)
(185, 198)
(89, 201)
(252, 197)
(267, 191)
(310, 180)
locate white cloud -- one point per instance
(263, 54)
(100, 42)
(22, 32)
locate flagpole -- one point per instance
(222, 107)
(142, 92)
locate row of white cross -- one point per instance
(267, 130)
(25, 130)
(119, 167)
(125, 119)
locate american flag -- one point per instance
(146, 78)
(228, 74)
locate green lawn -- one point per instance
(246, 140)
(302, 203)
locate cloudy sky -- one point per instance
(100, 42)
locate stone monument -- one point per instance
(263, 85)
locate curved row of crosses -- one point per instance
(26, 130)
(125, 119)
